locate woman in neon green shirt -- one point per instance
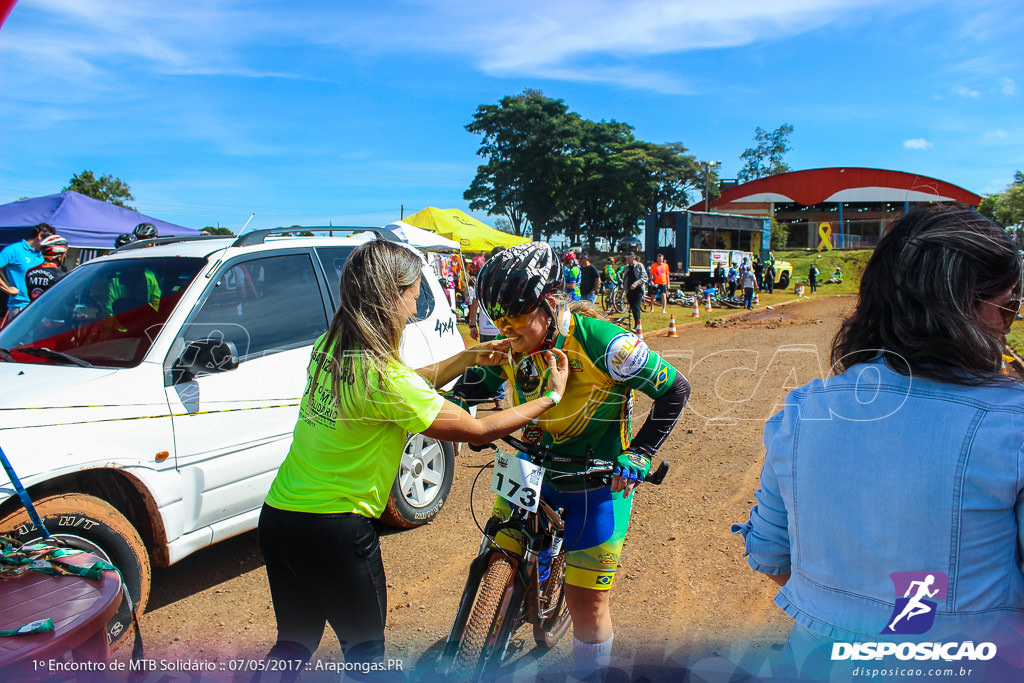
(318, 527)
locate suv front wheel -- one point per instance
(92, 525)
(423, 482)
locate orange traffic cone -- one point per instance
(696, 310)
(672, 326)
(639, 331)
(708, 306)
(755, 297)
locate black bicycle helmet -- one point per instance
(145, 231)
(515, 281)
(123, 239)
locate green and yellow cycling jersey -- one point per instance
(606, 363)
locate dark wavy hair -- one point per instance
(920, 296)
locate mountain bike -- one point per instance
(518, 578)
(615, 301)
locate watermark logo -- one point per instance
(917, 597)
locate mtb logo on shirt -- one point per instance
(917, 597)
(625, 356)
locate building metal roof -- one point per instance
(819, 185)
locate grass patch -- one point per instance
(851, 262)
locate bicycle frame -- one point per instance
(527, 590)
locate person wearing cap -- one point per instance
(39, 279)
(15, 261)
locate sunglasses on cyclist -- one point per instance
(512, 320)
(1009, 313)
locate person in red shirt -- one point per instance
(659, 278)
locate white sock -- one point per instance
(590, 657)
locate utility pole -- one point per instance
(707, 173)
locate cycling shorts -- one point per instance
(595, 530)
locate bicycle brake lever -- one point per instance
(658, 475)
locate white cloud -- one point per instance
(996, 133)
(917, 143)
(964, 91)
(1009, 87)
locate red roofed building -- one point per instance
(850, 205)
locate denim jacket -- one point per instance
(871, 472)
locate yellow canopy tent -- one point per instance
(471, 234)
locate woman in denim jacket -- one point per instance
(899, 479)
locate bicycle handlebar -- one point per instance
(595, 467)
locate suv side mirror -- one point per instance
(204, 357)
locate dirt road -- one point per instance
(683, 587)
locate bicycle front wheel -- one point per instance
(488, 628)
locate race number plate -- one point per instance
(517, 480)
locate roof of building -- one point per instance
(818, 185)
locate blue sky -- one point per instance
(342, 111)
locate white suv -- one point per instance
(150, 396)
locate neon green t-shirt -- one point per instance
(345, 454)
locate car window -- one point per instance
(262, 305)
(333, 260)
(105, 312)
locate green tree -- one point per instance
(1006, 207)
(529, 143)
(779, 235)
(107, 188)
(670, 174)
(766, 158)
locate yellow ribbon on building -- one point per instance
(825, 232)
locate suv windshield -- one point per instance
(104, 313)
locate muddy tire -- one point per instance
(783, 281)
(93, 525)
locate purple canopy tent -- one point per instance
(83, 221)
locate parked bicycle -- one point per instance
(517, 576)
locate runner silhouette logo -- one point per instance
(917, 597)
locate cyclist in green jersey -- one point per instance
(520, 291)
(318, 528)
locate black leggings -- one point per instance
(324, 568)
(635, 299)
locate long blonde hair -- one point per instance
(370, 316)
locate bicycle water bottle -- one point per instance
(544, 556)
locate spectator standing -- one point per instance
(733, 278)
(748, 282)
(481, 328)
(39, 279)
(659, 276)
(908, 461)
(769, 277)
(571, 273)
(634, 279)
(590, 279)
(610, 279)
(812, 278)
(759, 272)
(719, 279)
(15, 261)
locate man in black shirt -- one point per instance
(590, 279)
